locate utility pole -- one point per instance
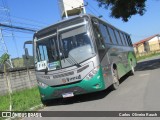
(5, 22)
(4, 19)
(3, 47)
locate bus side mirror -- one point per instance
(26, 53)
(95, 22)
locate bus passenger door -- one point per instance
(102, 50)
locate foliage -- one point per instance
(18, 62)
(4, 58)
(124, 8)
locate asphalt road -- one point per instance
(140, 92)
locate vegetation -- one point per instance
(23, 62)
(18, 62)
(147, 56)
(124, 8)
(4, 58)
(21, 100)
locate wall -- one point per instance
(154, 44)
(141, 48)
(18, 80)
(135, 50)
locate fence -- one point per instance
(18, 80)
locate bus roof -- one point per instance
(48, 28)
(60, 22)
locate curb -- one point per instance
(35, 107)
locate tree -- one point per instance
(124, 8)
(4, 58)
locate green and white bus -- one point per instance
(80, 55)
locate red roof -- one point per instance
(144, 40)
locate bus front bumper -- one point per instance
(82, 87)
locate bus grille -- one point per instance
(63, 75)
(83, 68)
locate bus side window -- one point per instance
(122, 38)
(129, 40)
(105, 33)
(99, 40)
(118, 37)
(125, 39)
(112, 34)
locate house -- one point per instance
(149, 44)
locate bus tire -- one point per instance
(132, 72)
(45, 102)
(115, 78)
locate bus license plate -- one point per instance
(65, 95)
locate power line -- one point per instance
(33, 21)
(17, 30)
(24, 23)
(92, 7)
(91, 11)
(27, 24)
(17, 27)
(99, 14)
(96, 11)
(17, 36)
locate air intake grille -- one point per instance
(83, 68)
(63, 75)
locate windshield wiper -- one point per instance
(72, 58)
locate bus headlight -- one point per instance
(42, 85)
(92, 73)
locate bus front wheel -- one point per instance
(115, 78)
(45, 102)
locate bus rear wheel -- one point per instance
(115, 78)
(132, 72)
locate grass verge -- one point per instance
(147, 56)
(21, 100)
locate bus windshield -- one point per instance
(76, 45)
(72, 46)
